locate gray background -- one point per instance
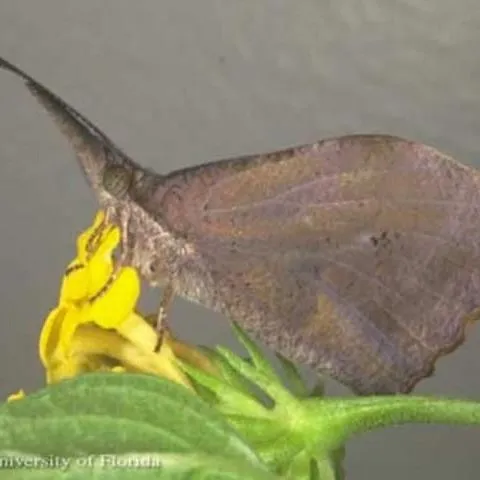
(180, 82)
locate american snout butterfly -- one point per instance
(357, 255)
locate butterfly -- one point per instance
(357, 255)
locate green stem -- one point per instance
(333, 421)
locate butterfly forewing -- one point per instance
(357, 255)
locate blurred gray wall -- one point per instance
(180, 82)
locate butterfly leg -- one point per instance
(124, 250)
(90, 247)
(162, 315)
(96, 236)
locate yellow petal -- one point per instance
(70, 322)
(83, 240)
(118, 369)
(74, 285)
(66, 368)
(90, 340)
(50, 334)
(139, 332)
(193, 356)
(118, 302)
(163, 363)
(100, 266)
(77, 283)
(16, 396)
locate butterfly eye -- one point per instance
(117, 180)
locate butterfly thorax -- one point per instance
(160, 256)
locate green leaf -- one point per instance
(117, 414)
(144, 466)
(303, 435)
(227, 396)
(293, 377)
(258, 359)
(233, 378)
(273, 428)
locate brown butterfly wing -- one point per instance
(358, 256)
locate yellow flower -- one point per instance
(95, 326)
